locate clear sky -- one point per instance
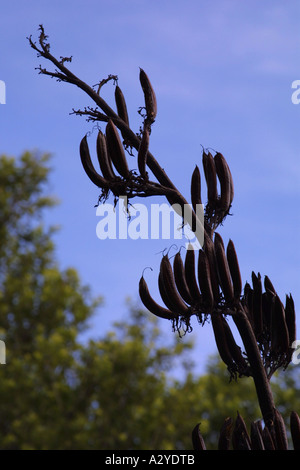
(223, 74)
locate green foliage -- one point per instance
(118, 391)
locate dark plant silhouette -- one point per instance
(207, 283)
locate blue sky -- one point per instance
(222, 72)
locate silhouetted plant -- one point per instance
(207, 287)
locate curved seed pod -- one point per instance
(103, 158)
(223, 174)
(214, 278)
(150, 303)
(267, 438)
(268, 285)
(257, 305)
(295, 429)
(240, 436)
(221, 341)
(197, 439)
(143, 151)
(234, 269)
(196, 188)
(121, 105)
(190, 274)
(150, 98)
(267, 310)
(279, 333)
(248, 296)
(204, 280)
(180, 280)
(223, 269)
(88, 165)
(234, 349)
(257, 442)
(210, 174)
(168, 282)
(225, 434)
(220, 158)
(280, 431)
(116, 150)
(290, 318)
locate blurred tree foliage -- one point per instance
(116, 392)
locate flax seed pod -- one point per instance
(151, 304)
(149, 95)
(268, 285)
(257, 442)
(196, 188)
(221, 340)
(223, 269)
(234, 349)
(247, 301)
(295, 429)
(290, 318)
(223, 174)
(280, 431)
(103, 158)
(169, 287)
(267, 438)
(267, 301)
(121, 105)
(197, 439)
(225, 434)
(221, 158)
(180, 280)
(210, 177)
(88, 165)
(204, 281)
(240, 437)
(214, 278)
(279, 332)
(116, 150)
(234, 269)
(190, 274)
(257, 305)
(143, 151)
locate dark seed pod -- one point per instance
(224, 177)
(121, 105)
(143, 151)
(268, 285)
(267, 438)
(150, 98)
(257, 442)
(196, 188)
(210, 174)
(295, 429)
(167, 279)
(197, 439)
(190, 274)
(279, 333)
(180, 280)
(103, 158)
(240, 436)
(214, 277)
(221, 340)
(234, 349)
(290, 318)
(234, 269)
(150, 303)
(280, 432)
(267, 302)
(88, 165)
(204, 281)
(257, 305)
(116, 150)
(220, 158)
(225, 434)
(223, 269)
